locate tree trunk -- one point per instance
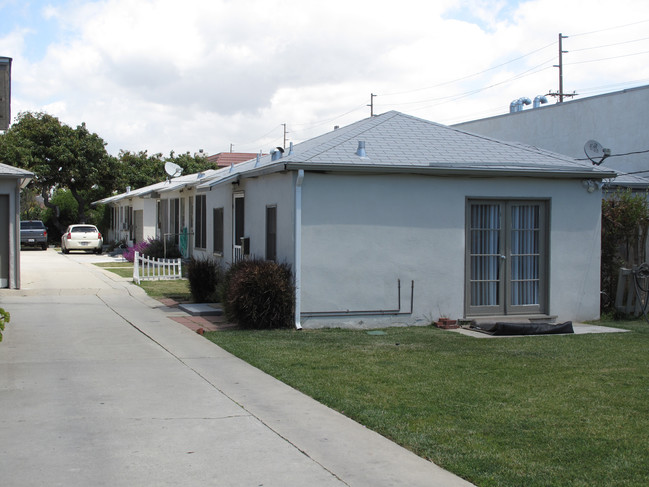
(81, 205)
(55, 213)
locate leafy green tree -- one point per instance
(139, 169)
(30, 208)
(60, 157)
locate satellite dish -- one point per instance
(173, 170)
(595, 152)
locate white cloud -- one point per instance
(162, 75)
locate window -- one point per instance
(201, 221)
(217, 226)
(271, 233)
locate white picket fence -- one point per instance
(149, 268)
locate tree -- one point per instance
(60, 157)
(138, 169)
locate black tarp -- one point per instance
(504, 328)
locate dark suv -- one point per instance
(33, 233)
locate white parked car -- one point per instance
(82, 237)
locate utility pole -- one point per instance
(371, 105)
(285, 132)
(560, 94)
(561, 52)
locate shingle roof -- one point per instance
(161, 187)
(12, 171)
(398, 142)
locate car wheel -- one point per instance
(44, 246)
(98, 251)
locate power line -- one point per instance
(609, 28)
(609, 45)
(470, 75)
(624, 154)
(608, 58)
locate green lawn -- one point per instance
(175, 289)
(524, 411)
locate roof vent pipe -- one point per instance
(538, 100)
(276, 153)
(290, 149)
(360, 152)
(513, 106)
(517, 105)
(128, 189)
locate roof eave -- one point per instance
(454, 171)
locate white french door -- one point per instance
(506, 257)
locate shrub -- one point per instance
(156, 248)
(4, 319)
(204, 277)
(259, 294)
(625, 224)
(129, 253)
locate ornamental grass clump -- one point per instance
(259, 294)
(204, 276)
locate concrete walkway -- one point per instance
(99, 387)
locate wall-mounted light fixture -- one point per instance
(591, 185)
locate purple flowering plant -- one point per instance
(129, 253)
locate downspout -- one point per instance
(14, 241)
(298, 245)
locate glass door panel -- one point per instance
(505, 257)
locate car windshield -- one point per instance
(83, 230)
(31, 225)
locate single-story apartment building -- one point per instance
(397, 220)
(12, 180)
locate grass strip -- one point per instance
(536, 411)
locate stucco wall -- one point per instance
(617, 121)
(361, 234)
(272, 190)
(9, 187)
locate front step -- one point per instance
(512, 319)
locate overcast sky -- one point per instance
(162, 75)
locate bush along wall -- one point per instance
(4, 319)
(625, 225)
(204, 276)
(259, 294)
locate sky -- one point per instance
(243, 75)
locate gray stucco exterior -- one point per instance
(384, 236)
(617, 120)
(11, 181)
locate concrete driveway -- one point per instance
(99, 387)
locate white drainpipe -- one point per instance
(298, 245)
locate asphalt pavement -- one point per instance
(99, 387)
